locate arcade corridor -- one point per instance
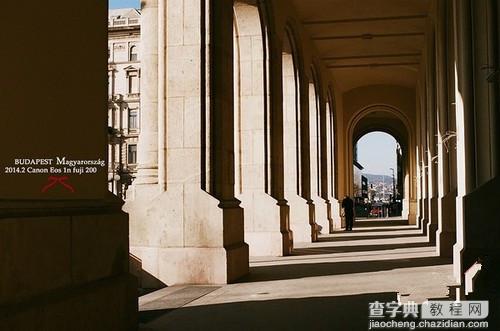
(249, 114)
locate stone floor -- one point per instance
(325, 285)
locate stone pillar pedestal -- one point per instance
(186, 236)
(412, 212)
(432, 225)
(335, 214)
(264, 233)
(446, 234)
(321, 215)
(425, 219)
(300, 219)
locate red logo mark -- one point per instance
(54, 180)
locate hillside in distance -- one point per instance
(378, 178)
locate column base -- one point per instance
(312, 221)
(424, 223)
(446, 234)
(330, 218)
(480, 238)
(336, 220)
(146, 175)
(321, 215)
(445, 242)
(286, 231)
(264, 243)
(195, 265)
(267, 230)
(412, 212)
(186, 236)
(299, 218)
(432, 226)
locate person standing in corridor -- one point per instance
(348, 207)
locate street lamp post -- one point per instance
(393, 186)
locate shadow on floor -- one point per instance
(382, 229)
(347, 237)
(360, 248)
(348, 312)
(293, 271)
(381, 222)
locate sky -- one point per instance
(114, 4)
(377, 153)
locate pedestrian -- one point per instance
(348, 212)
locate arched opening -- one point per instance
(378, 176)
(133, 54)
(390, 120)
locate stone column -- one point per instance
(424, 156)
(258, 120)
(147, 149)
(333, 204)
(446, 200)
(299, 209)
(192, 233)
(320, 205)
(277, 134)
(464, 122)
(410, 181)
(431, 137)
(480, 204)
(485, 81)
(323, 162)
(305, 153)
(419, 160)
(63, 237)
(494, 58)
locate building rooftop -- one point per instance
(124, 12)
(124, 17)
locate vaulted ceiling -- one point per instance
(365, 42)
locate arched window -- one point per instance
(133, 56)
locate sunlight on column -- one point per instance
(461, 180)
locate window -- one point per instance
(132, 119)
(132, 154)
(133, 54)
(133, 82)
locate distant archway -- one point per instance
(378, 175)
(388, 119)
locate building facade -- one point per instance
(124, 97)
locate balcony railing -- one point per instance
(133, 96)
(123, 22)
